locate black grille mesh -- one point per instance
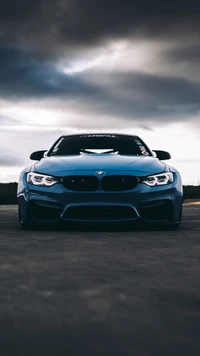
(82, 183)
(112, 183)
(119, 183)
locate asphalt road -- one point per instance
(100, 292)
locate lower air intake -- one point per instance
(44, 211)
(100, 213)
(155, 211)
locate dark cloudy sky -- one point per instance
(83, 65)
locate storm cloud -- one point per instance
(59, 24)
(126, 94)
(22, 75)
(39, 38)
(70, 65)
(7, 159)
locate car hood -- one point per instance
(62, 165)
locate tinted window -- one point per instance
(123, 145)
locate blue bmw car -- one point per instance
(99, 178)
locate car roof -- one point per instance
(99, 134)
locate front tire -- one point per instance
(24, 225)
(177, 224)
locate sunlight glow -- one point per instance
(30, 115)
(110, 55)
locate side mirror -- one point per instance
(162, 155)
(37, 155)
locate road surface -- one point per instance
(100, 291)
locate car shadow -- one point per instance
(102, 227)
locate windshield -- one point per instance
(99, 144)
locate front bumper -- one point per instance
(56, 204)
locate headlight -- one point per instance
(41, 179)
(159, 179)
